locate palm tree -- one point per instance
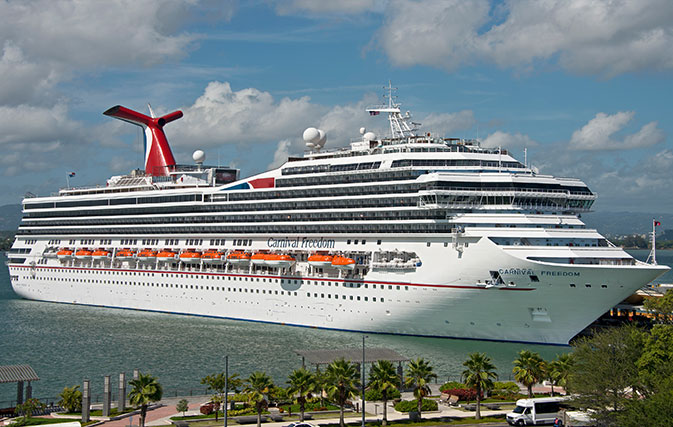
(258, 385)
(342, 382)
(528, 369)
(562, 367)
(382, 377)
(478, 375)
(419, 375)
(71, 399)
(302, 383)
(144, 390)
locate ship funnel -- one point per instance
(159, 160)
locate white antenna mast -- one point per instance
(652, 257)
(151, 111)
(400, 127)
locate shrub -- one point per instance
(207, 409)
(244, 411)
(464, 394)
(371, 395)
(451, 385)
(412, 405)
(508, 388)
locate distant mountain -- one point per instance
(10, 217)
(625, 223)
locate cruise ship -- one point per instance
(410, 234)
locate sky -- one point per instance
(585, 86)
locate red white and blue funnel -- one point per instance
(159, 160)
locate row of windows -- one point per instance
(379, 176)
(120, 201)
(508, 186)
(257, 229)
(330, 168)
(455, 162)
(389, 215)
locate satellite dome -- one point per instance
(199, 156)
(311, 135)
(362, 131)
(369, 136)
(323, 138)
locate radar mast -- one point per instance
(400, 125)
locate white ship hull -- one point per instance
(442, 298)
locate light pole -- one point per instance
(226, 388)
(362, 384)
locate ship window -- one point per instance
(572, 285)
(587, 285)
(427, 244)
(378, 242)
(348, 242)
(358, 298)
(604, 286)
(534, 278)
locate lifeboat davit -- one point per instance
(343, 263)
(275, 260)
(167, 256)
(212, 257)
(238, 258)
(125, 255)
(64, 254)
(190, 257)
(83, 254)
(100, 254)
(318, 260)
(147, 255)
(259, 258)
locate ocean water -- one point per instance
(67, 343)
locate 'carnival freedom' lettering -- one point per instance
(300, 243)
(529, 272)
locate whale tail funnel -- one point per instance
(159, 160)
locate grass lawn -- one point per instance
(442, 421)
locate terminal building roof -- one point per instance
(16, 373)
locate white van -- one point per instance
(535, 412)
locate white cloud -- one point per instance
(503, 139)
(446, 124)
(598, 133)
(248, 116)
(321, 6)
(588, 37)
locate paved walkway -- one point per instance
(161, 416)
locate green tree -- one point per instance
(561, 368)
(257, 387)
(145, 390)
(654, 411)
(216, 383)
(182, 406)
(418, 376)
(383, 378)
(528, 369)
(605, 374)
(342, 382)
(661, 308)
(28, 407)
(71, 399)
(301, 384)
(479, 374)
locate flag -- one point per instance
(71, 174)
(374, 113)
(657, 223)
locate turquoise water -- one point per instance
(66, 343)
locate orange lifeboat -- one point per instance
(64, 254)
(100, 254)
(147, 255)
(238, 257)
(275, 260)
(343, 263)
(167, 256)
(83, 254)
(190, 256)
(212, 257)
(125, 254)
(259, 258)
(318, 260)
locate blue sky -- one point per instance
(584, 86)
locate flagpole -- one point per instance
(67, 180)
(654, 242)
